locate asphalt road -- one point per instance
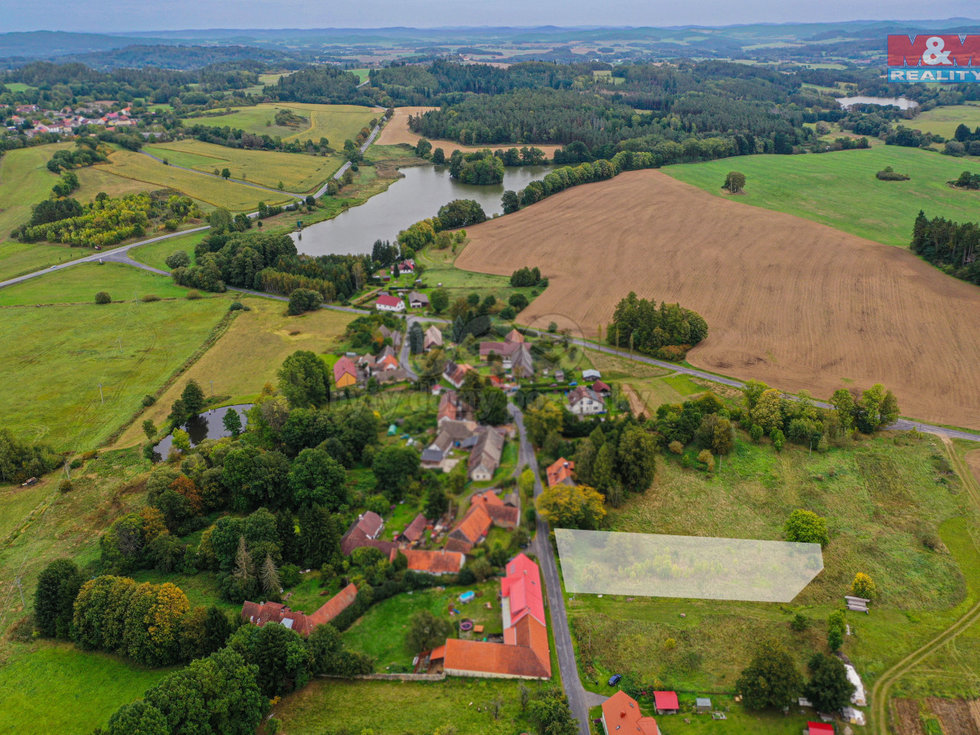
(579, 700)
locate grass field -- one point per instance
(299, 173)
(840, 189)
(78, 285)
(155, 254)
(381, 631)
(884, 500)
(779, 293)
(17, 258)
(24, 181)
(18, 86)
(248, 355)
(208, 189)
(50, 687)
(62, 354)
(327, 706)
(336, 123)
(944, 120)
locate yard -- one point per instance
(381, 631)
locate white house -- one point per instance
(585, 402)
(389, 303)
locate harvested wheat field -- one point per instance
(788, 301)
(396, 131)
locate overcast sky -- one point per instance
(126, 15)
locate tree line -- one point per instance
(953, 247)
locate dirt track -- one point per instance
(396, 131)
(791, 302)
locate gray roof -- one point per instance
(433, 454)
(703, 702)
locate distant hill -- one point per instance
(185, 57)
(51, 44)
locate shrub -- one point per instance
(193, 295)
(148, 400)
(705, 457)
(103, 298)
(799, 623)
(675, 447)
(889, 174)
(805, 526)
(65, 486)
(148, 298)
(863, 586)
(178, 259)
(302, 300)
(236, 306)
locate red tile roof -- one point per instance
(522, 586)
(560, 471)
(335, 605)
(363, 532)
(492, 658)
(275, 612)
(474, 526)
(388, 301)
(415, 529)
(342, 367)
(819, 728)
(665, 700)
(622, 716)
(434, 562)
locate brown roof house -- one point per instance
(454, 408)
(560, 473)
(470, 531)
(502, 513)
(434, 562)
(275, 612)
(414, 531)
(584, 401)
(364, 532)
(432, 338)
(514, 353)
(485, 457)
(456, 373)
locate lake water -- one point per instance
(415, 197)
(902, 103)
(209, 425)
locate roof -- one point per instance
(493, 658)
(335, 605)
(474, 525)
(503, 349)
(591, 374)
(433, 336)
(275, 612)
(487, 451)
(416, 528)
(434, 562)
(451, 406)
(581, 393)
(342, 367)
(666, 700)
(560, 472)
(702, 702)
(500, 513)
(820, 727)
(622, 716)
(363, 532)
(522, 586)
(386, 300)
(600, 387)
(514, 336)
(416, 296)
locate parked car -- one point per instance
(614, 679)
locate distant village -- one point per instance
(31, 120)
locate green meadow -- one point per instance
(336, 123)
(944, 120)
(840, 189)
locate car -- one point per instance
(614, 679)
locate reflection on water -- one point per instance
(417, 196)
(209, 425)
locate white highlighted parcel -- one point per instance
(652, 565)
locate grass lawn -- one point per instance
(216, 192)
(24, 181)
(298, 172)
(18, 86)
(398, 519)
(336, 123)
(944, 120)
(330, 705)
(78, 285)
(440, 272)
(248, 355)
(381, 631)
(201, 588)
(17, 258)
(155, 254)
(55, 687)
(840, 189)
(884, 500)
(62, 354)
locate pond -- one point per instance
(415, 197)
(209, 425)
(903, 103)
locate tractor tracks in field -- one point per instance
(880, 692)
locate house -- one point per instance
(470, 531)
(584, 401)
(364, 532)
(275, 612)
(344, 373)
(702, 705)
(406, 266)
(434, 562)
(456, 373)
(454, 408)
(501, 513)
(602, 389)
(819, 728)
(591, 374)
(386, 302)
(418, 300)
(433, 338)
(666, 703)
(525, 653)
(560, 473)
(414, 531)
(513, 352)
(621, 716)
(485, 457)
(521, 362)
(514, 336)
(393, 334)
(452, 435)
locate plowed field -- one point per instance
(396, 131)
(791, 302)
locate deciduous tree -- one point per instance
(771, 680)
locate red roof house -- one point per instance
(275, 612)
(434, 562)
(560, 473)
(666, 703)
(503, 515)
(415, 530)
(389, 303)
(470, 531)
(621, 716)
(819, 728)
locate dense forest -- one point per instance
(322, 84)
(954, 247)
(667, 331)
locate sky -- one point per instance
(146, 15)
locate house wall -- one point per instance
(346, 380)
(491, 675)
(481, 474)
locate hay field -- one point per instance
(396, 131)
(297, 172)
(248, 355)
(336, 123)
(207, 189)
(24, 181)
(788, 301)
(944, 120)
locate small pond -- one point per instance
(209, 425)
(903, 103)
(415, 197)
